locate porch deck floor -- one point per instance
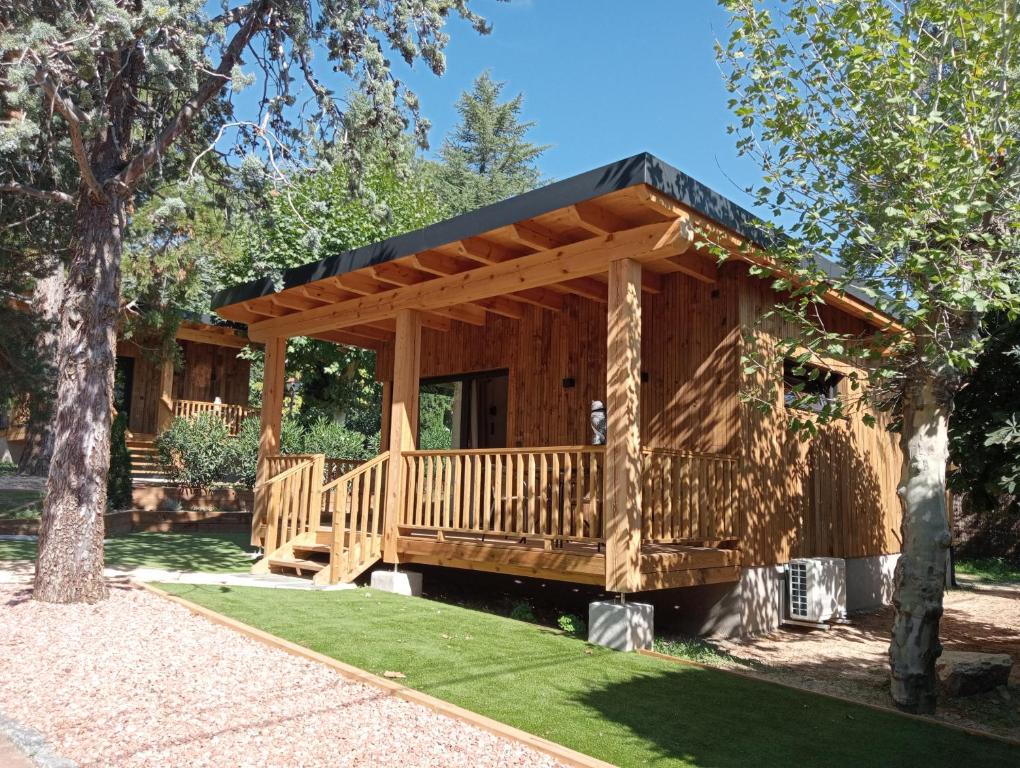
(663, 565)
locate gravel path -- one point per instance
(138, 681)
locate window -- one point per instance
(808, 387)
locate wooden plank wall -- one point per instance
(689, 355)
(208, 371)
(211, 371)
(832, 496)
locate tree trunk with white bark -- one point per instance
(70, 563)
(921, 570)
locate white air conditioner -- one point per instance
(816, 589)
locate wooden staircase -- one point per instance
(297, 501)
(145, 467)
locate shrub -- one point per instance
(243, 450)
(334, 440)
(198, 451)
(573, 625)
(522, 612)
(118, 480)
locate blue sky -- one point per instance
(603, 80)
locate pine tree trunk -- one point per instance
(47, 299)
(70, 564)
(921, 570)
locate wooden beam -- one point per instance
(539, 297)
(269, 430)
(294, 300)
(262, 310)
(623, 436)
(203, 336)
(472, 314)
(500, 305)
(697, 265)
(350, 339)
(645, 243)
(360, 283)
(442, 264)
(483, 251)
(596, 219)
(588, 287)
(535, 235)
(327, 293)
(399, 274)
(403, 421)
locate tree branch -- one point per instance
(150, 155)
(74, 117)
(49, 195)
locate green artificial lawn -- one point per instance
(20, 505)
(214, 553)
(990, 569)
(627, 709)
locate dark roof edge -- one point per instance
(643, 168)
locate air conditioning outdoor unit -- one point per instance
(816, 589)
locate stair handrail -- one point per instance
(297, 513)
(353, 550)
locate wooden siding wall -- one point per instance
(208, 372)
(211, 371)
(834, 495)
(689, 349)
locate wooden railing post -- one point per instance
(623, 439)
(403, 419)
(269, 433)
(318, 478)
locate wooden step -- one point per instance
(322, 549)
(312, 566)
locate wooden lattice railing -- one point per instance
(542, 493)
(355, 500)
(688, 496)
(232, 415)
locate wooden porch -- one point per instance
(536, 512)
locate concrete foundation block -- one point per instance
(398, 582)
(621, 626)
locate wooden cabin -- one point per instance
(207, 375)
(595, 288)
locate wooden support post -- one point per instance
(623, 419)
(387, 407)
(269, 433)
(165, 404)
(403, 420)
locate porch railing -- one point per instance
(232, 415)
(293, 496)
(553, 493)
(355, 501)
(688, 496)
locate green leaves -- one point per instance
(887, 135)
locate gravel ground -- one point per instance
(138, 681)
(852, 660)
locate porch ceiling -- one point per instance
(531, 249)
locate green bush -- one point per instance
(522, 612)
(118, 480)
(573, 625)
(334, 440)
(198, 451)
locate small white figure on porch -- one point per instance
(598, 422)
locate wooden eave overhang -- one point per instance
(528, 250)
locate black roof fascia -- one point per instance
(643, 168)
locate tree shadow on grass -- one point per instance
(692, 716)
(221, 552)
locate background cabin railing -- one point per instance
(337, 467)
(232, 415)
(355, 501)
(688, 496)
(549, 493)
(293, 498)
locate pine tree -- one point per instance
(487, 157)
(122, 92)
